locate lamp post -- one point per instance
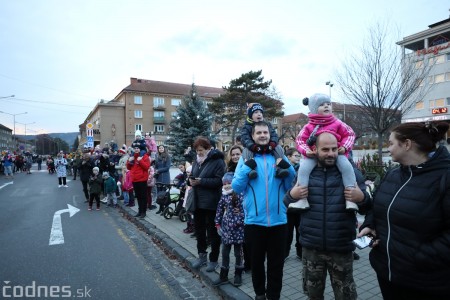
(330, 85)
(14, 119)
(26, 126)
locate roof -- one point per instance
(162, 87)
(3, 127)
(293, 118)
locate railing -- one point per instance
(159, 120)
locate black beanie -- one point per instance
(252, 107)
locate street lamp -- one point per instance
(26, 126)
(329, 84)
(14, 119)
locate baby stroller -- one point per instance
(166, 199)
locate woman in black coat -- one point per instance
(410, 219)
(206, 181)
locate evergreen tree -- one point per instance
(193, 120)
(230, 109)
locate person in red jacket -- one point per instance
(138, 165)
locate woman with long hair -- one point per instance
(410, 219)
(162, 174)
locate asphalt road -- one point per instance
(103, 255)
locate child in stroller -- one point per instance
(165, 199)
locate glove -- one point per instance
(251, 163)
(311, 140)
(272, 146)
(256, 148)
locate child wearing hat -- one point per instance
(95, 188)
(321, 119)
(109, 188)
(139, 141)
(255, 113)
(230, 226)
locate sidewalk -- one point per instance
(170, 233)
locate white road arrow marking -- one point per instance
(6, 184)
(56, 234)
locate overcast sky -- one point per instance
(59, 58)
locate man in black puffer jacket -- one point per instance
(327, 229)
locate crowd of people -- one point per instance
(257, 197)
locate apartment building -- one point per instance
(6, 138)
(145, 105)
(431, 47)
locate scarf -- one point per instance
(200, 160)
(316, 119)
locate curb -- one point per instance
(227, 291)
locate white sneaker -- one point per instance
(300, 205)
(59, 185)
(66, 185)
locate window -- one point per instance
(440, 102)
(448, 56)
(138, 113)
(419, 105)
(157, 101)
(176, 102)
(440, 59)
(158, 114)
(159, 128)
(437, 103)
(275, 121)
(174, 115)
(137, 127)
(439, 78)
(137, 99)
(448, 101)
(420, 81)
(431, 79)
(419, 64)
(447, 76)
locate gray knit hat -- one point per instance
(315, 101)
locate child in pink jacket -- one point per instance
(151, 145)
(321, 119)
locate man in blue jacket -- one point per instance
(327, 230)
(265, 220)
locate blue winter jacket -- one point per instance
(263, 196)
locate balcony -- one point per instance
(159, 120)
(159, 107)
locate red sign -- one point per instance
(440, 110)
(435, 49)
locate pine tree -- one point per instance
(230, 109)
(193, 120)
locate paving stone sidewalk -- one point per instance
(170, 233)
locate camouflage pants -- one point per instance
(339, 265)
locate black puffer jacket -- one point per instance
(328, 226)
(207, 194)
(411, 216)
(85, 169)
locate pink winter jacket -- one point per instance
(151, 144)
(343, 133)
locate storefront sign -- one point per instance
(435, 49)
(440, 110)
